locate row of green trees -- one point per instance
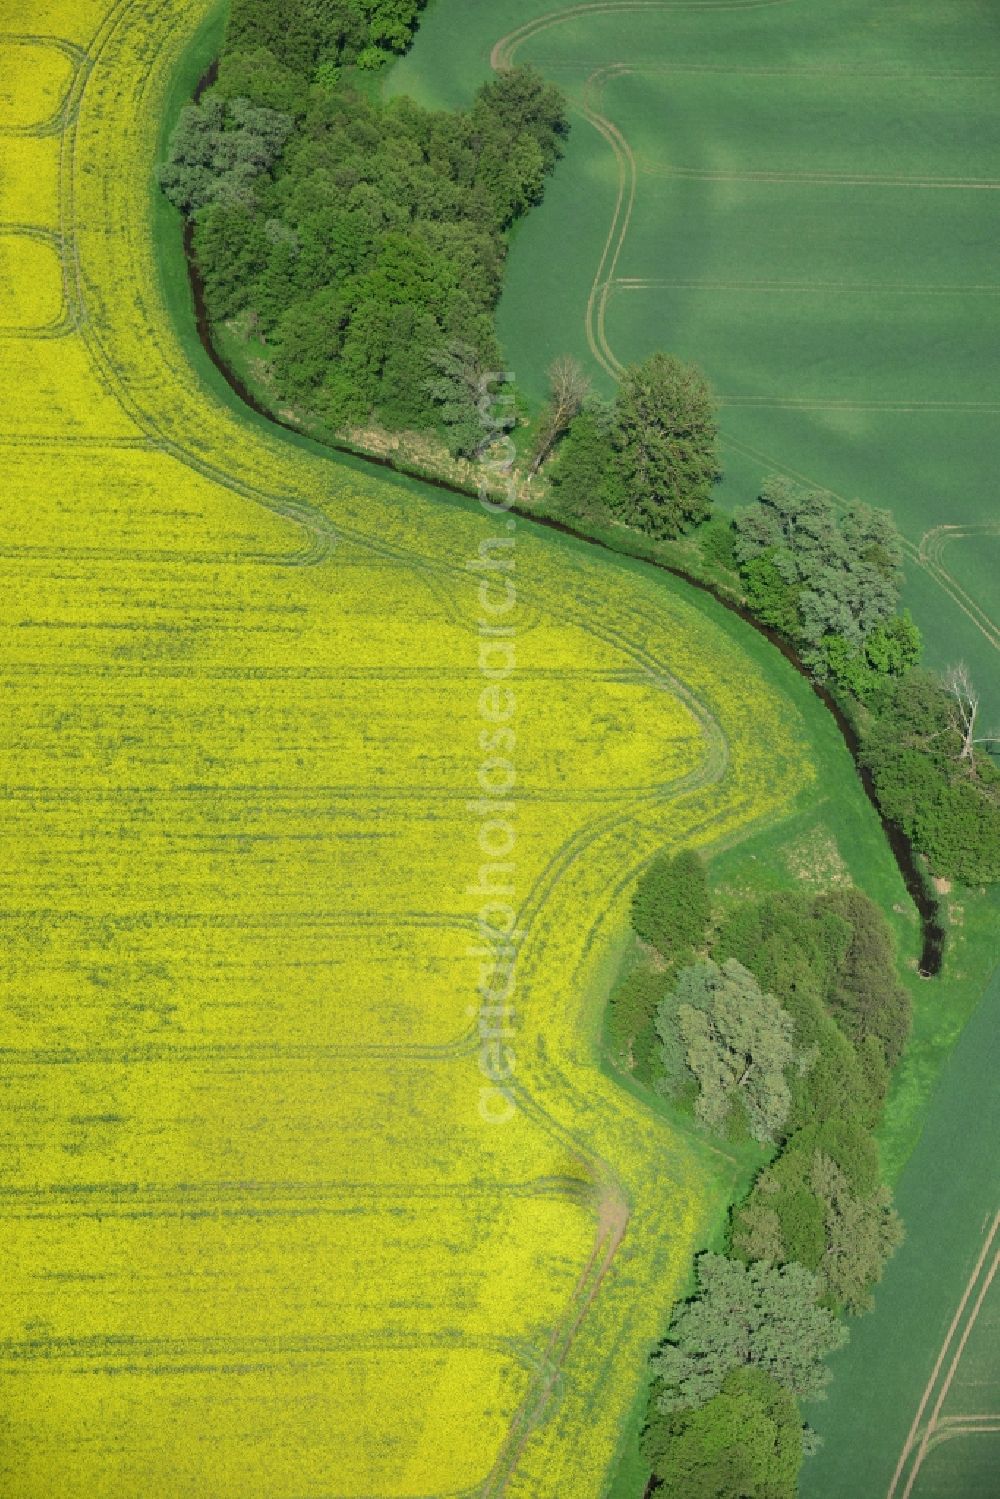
(931, 775)
(829, 581)
(363, 244)
(365, 247)
(777, 1020)
(825, 577)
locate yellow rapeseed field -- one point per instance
(270, 1230)
(31, 292)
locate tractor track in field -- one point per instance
(612, 1221)
(734, 70)
(613, 1215)
(595, 320)
(792, 288)
(818, 178)
(503, 51)
(64, 323)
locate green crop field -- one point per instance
(803, 199)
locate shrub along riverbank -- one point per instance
(827, 580)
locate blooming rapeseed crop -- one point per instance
(29, 186)
(31, 293)
(259, 1239)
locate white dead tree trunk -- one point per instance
(569, 388)
(965, 712)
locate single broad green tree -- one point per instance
(827, 579)
(308, 339)
(579, 470)
(758, 1316)
(861, 1234)
(745, 1443)
(631, 1021)
(217, 152)
(520, 100)
(864, 994)
(392, 22)
(670, 907)
(890, 650)
(664, 458)
(738, 1045)
(457, 384)
(259, 76)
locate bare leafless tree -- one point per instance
(965, 712)
(569, 388)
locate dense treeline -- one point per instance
(829, 581)
(301, 39)
(364, 246)
(778, 1019)
(825, 577)
(943, 791)
(362, 243)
